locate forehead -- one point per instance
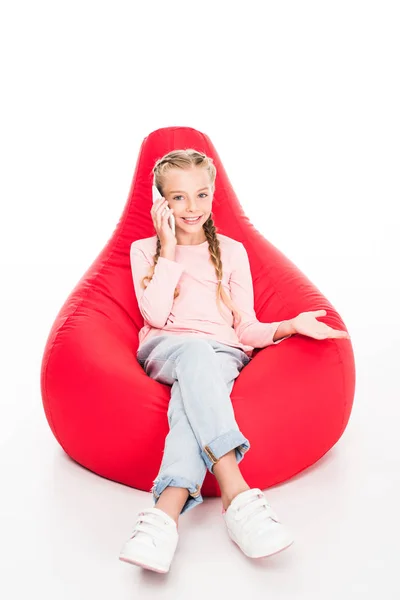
(187, 179)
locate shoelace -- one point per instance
(257, 511)
(147, 523)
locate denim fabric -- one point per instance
(202, 425)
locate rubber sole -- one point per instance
(271, 553)
(151, 567)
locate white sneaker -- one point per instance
(153, 543)
(254, 526)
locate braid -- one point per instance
(152, 269)
(215, 254)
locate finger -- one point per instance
(160, 210)
(157, 202)
(165, 215)
(159, 216)
(319, 313)
(160, 206)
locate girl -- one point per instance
(197, 337)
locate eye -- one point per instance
(202, 194)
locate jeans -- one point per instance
(202, 425)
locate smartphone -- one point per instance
(171, 219)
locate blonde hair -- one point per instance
(186, 159)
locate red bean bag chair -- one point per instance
(292, 401)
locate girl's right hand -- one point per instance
(160, 212)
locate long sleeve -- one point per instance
(155, 302)
(250, 330)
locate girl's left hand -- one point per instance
(307, 324)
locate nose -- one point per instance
(191, 205)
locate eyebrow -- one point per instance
(175, 191)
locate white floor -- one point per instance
(62, 526)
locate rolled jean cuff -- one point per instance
(232, 439)
(164, 481)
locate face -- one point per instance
(189, 192)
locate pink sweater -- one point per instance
(195, 312)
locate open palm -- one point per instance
(306, 323)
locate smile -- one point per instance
(191, 221)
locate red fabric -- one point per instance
(293, 403)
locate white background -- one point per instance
(301, 100)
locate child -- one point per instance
(198, 345)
